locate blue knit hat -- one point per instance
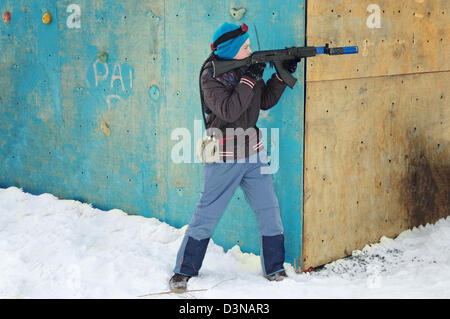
(230, 48)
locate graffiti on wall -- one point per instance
(101, 75)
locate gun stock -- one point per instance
(223, 66)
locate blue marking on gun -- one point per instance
(276, 57)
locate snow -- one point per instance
(54, 248)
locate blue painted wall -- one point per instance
(100, 133)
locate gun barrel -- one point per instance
(337, 50)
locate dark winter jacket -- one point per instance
(234, 101)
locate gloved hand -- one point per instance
(291, 65)
(255, 71)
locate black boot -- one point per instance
(178, 282)
(277, 276)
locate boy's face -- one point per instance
(244, 51)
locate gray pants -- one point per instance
(219, 185)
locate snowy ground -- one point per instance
(52, 248)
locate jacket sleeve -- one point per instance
(272, 91)
(227, 104)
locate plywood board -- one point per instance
(394, 37)
(377, 160)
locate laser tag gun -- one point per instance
(276, 57)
